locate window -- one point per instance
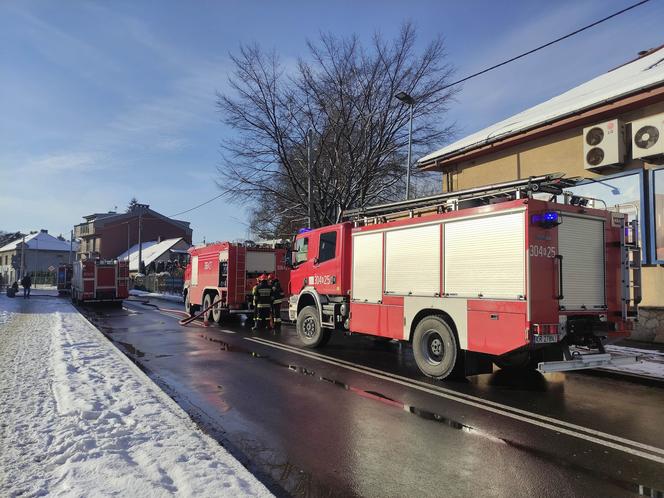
(657, 219)
(623, 193)
(301, 250)
(328, 246)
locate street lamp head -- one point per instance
(405, 98)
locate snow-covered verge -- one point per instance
(651, 364)
(77, 418)
(176, 298)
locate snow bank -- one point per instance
(78, 418)
(176, 298)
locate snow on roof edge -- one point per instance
(636, 76)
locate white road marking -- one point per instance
(609, 441)
(227, 331)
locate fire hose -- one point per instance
(188, 320)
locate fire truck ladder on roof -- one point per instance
(449, 201)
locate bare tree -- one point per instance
(343, 93)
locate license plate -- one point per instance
(545, 339)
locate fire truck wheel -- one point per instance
(207, 301)
(187, 305)
(435, 347)
(217, 313)
(309, 329)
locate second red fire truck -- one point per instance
(471, 278)
(225, 273)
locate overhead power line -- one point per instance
(483, 71)
(552, 42)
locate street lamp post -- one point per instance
(410, 102)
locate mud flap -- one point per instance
(477, 363)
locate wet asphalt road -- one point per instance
(357, 419)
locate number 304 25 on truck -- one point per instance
(503, 274)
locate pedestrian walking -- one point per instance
(262, 293)
(277, 299)
(26, 282)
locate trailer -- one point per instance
(513, 274)
(97, 280)
(224, 274)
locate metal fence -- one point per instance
(163, 283)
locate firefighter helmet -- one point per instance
(263, 277)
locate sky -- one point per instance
(104, 101)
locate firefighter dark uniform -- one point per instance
(277, 299)
(262, 293)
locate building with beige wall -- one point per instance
(560, 135)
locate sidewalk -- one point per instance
(78, 418)
(166, 297)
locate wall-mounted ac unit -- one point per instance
(648, 136)
(604, 144)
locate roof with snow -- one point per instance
(639, 75)
(42, 241)
(151, 251)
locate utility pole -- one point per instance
(410, 102)
(71, 245)
(140, 242)
(20, 275)
(310, 133)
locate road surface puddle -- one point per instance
(131, 349)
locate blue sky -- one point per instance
(101, 101)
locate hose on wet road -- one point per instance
(188, 320)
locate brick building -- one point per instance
(610, 131)
(107, 235)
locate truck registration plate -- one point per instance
(545, 339)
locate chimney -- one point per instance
(43, 230)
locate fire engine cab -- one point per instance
(501, 274)
(224, 273)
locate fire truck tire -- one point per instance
(207, 301)
(188, 307)
(436, 348)
(309, 328)
(217, 312)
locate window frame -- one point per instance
(645, 211)
(320, 245)
(298, 263)
(652, 256)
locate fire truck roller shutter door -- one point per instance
(486, 257)
(367, 267)
(412, 261)
(581, 244)
(456, 308)
(194, 270)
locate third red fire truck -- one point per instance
(98, 280)
(225, 273)
(511, 274)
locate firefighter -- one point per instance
(277, 299)
(262, 293)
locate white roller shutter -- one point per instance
(581, 244)
(367, 267)
(194, 270)
(412, 261)
(486, 256)
(260, 262)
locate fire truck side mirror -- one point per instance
(288, 259)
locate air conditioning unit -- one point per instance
(648, 136)
(604, 144)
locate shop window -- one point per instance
(657, 215)
(622, 193)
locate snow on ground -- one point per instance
(176, 298)
(651, 364)
(77, 418)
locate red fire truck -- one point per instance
(226, 273)
(475, 277)
(97, 280)
(64, 278)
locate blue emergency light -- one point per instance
(547, 219)
(304, 230)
